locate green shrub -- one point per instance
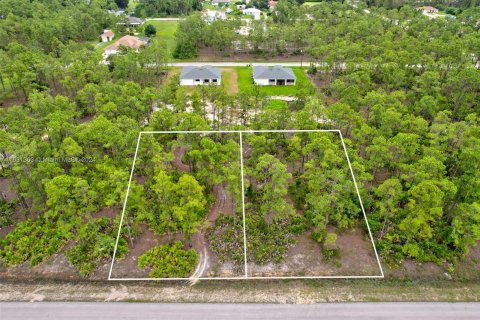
(35, 240)
(169, 261)
(6, 212)
(95, 241)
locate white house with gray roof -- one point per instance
(203, 75)
(273, 76)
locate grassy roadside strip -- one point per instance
(292, 291)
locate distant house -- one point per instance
(131, 42)
(254, 12)
(116, 12)
(132, 22)
(450, 17)
(244, 30)
(427, 9)
(212, 15)
(272, 4)
(220, 2)
(107, 35)
(241, 6)
(273, 76)
(203, 75)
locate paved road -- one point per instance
(164, 19)
(239, 64)
(144, 311)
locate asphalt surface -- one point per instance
(122, 310)
(239, 64)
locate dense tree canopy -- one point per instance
(396, 84)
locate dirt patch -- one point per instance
(128, 266)
(141, 179)
(305, 258)
(381, 175)
(7, 189)
(108, 212)
(12, 101)
(223, 204)
(86, 119)
(178, 155)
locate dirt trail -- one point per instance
(223, 204)
(178, 155)
(7, 189)
(198, 243)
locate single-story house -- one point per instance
(254, 12)
(211, 15)
(220, 2)
(203, 75)
(132, 22)
(107, 35)
(273, 76)
(132, 42)
(116, 12)
(428, 9)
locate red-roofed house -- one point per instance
(131, 42)
(272, 4)
(107, 35)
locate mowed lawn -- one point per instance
(245, 82)
(165, 31)
(277, 104)
(230, 80)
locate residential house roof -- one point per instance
(135, 20)
(108, 33)
(272, 4)
(428, 9)
(211, 15)
(130, 42)
(220, 1)
(201, 72)
(276, 72)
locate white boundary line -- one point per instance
(243, 210)
(124, 206)
(361, 203)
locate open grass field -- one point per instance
(245, 82)
(277, 104)
(165, 31)
(230, 80)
